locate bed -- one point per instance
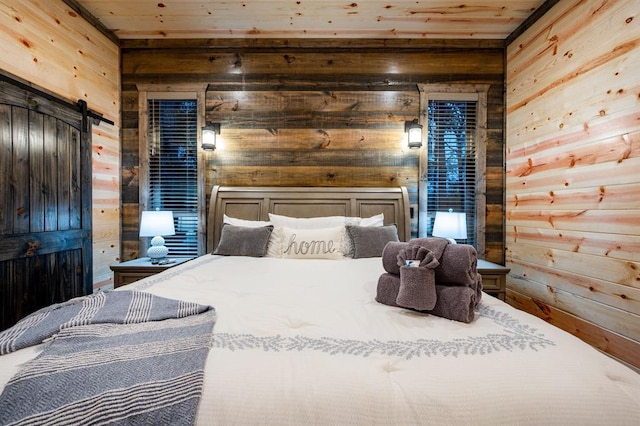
(304, 341)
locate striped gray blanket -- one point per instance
(125, 357)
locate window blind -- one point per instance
(452, 161)
(173, 171)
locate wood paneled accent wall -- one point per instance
(573, 186)
(312, 112)
(50, 45)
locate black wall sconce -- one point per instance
(209, 134)
(413, 129)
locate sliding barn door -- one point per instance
(45, 203)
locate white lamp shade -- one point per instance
(155, 223)
(450, 225)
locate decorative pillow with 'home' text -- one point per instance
(323, 243)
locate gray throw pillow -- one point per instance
(369, 241)
(243, 241)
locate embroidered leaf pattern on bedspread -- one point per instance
(516, 336)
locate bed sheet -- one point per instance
(305, 342)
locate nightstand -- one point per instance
(494, 278)
(134, 270)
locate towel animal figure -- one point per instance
(417, 278)
(456, 283)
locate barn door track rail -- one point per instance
(80, 106)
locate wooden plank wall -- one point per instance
(312, 112)
(51, 46)
(573, 187)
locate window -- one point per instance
(451, 153)
(173, 169)
(452, 170)
(170, 176)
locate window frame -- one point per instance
(149, 92)
(456, 92)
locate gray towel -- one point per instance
(456, 303)
(458, 265)
(391, 250)
(435, 244)
(417, 288)
(388, 287)
(478, 288)
(417, 283)
(453, 302)
(423, 256)
(390, 256)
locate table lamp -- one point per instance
(157, 224)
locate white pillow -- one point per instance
(319, 243)
(377, 220)
(243, 222)
(312, 222)
(274, 248)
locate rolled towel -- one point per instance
(456, 303)
(417, 283)
(478, 289)
(458, 266)
(388, 287)
(390, 256)
(453, 302)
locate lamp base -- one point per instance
(158, 251)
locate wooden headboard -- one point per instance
(255, 203)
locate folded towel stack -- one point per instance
(444, 280)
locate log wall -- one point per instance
(572, 180)
(312, 112)
(51, 46)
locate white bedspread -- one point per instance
(304, 342)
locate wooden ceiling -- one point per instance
(360, 19)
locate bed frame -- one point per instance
(255, 203)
